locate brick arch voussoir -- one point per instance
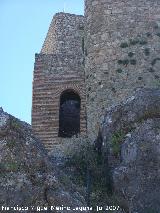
(74, 88)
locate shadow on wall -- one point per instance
(69, 114)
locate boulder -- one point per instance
(131, 147)
(27, 176)
(137, 178)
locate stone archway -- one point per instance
(69, 114)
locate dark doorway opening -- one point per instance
(69, 114)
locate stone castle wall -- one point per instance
(122, 52)
(103, 57)
(59, 66)
(65, 35)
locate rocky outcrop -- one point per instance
(27, 177)
(137, 178)
(131, 142)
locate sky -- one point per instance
(24, 25)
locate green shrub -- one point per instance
(9, 166)
(130, 54)
(116, 142)
(124, 45)
(151, 210)
(89, 167)
(81, 27)
(125, 62)
(120, 61)
(134, 41)
(113, 89)
(147, 51)
(148, 34)
(156, 83)
(119, 70)
(15, 124)
(143, 42)
(12, 166)
(11, 144)
(82, 155)
(133, 61)
(140, 78)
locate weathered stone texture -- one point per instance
(27, 176)
(65, 35)
(137, 178)
(131, 146)
(59, 66)
(121, 119)
(121, 52)
(111, 51)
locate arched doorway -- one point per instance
(69, 114)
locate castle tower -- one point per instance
(58, 106)
(122, 52)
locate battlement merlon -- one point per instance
(65, 34)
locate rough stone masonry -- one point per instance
(122, 39)
(102, 57)
(58, 68)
